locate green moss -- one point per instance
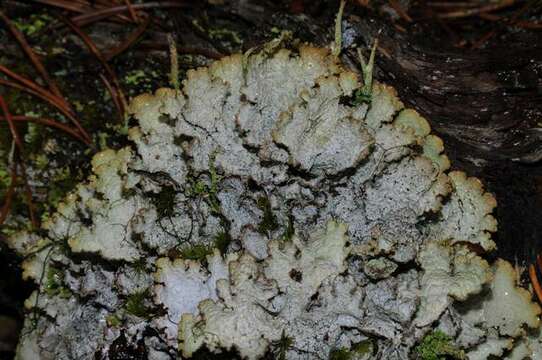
(289, 232)
(41, 161)
(140, 265)
(32, 25)
(113, 320)
(226, 35)
(358, 350)
(340, 354)
(134, 77)
(5, 176)
(33, 133)
(209, 191)
(281, 346)
(198, 188)
(62, 182)
(362, 96)
(269, 221)
(135, 304)
(438, 346)
(364, 347)
(197, 252)
(54, 283)
(221, 241)
(164, 202)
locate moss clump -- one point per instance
(113, 320)
(199, 252)
(165, 202)
(289, 232)
(438, 346)
(222, 241)
(269, 221)
(136, 304)
(196, 252)
(364, 347)
(140, 265)
(208, 191)
(340, 354)
(34, 24)
(281, 346)
(54, 283)
(358, 350)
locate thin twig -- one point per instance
(520, 24)
(534, 281)
(132, 38)
(33, 58)
(493, 32)
(132, 11)
(400, 11)
(209, 53)
(9, 196)
(34, 89)
(28, 194)
(121, 106)
(475, 11)
(113, 94)
(105, 13)
(19, 146)
(453, 4)
(11, 123)
(66, 5)
(48, 122)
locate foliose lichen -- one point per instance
(261, 211)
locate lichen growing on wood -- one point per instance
(261, 211)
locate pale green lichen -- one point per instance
(230, 224)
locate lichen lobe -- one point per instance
(262, 210)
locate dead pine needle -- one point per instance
(113, 86)
(33, 58)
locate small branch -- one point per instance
(37, 89)
(50, 123)
(65, 4)
(114, 96)
(535, 282)
(34, 89)
(132, 11)
(121, 103)
(19, 146)
(476, 11)
(132, 38)
(90, 17)
(33, 58)
(28, 194)
(11, 123)
(400, 11)
(4, 212)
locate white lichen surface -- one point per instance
(450, 273)
(264, 209)
(263, 301)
